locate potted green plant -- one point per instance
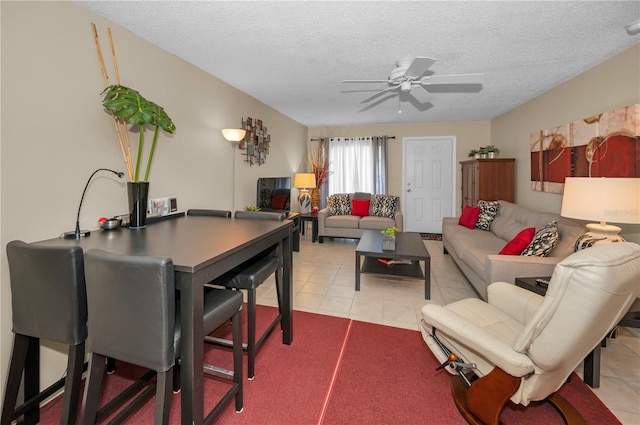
(492, 151)
(130, 108)
(389, 238)
(473, 153)
(251, 208)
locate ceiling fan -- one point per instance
(410, 73)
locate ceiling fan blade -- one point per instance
(365, 81)
(379, 93)
(452, 79)
(419, 66)
(421, 96)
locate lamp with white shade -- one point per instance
(602, 199)
(233, 136)
(304, 182)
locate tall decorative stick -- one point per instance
(122, 140)
(127, 143)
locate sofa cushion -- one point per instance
(512, 219)
(516, 245)
(362, 195)
(373, 222)
(342, 221)
(384, 205)
(360, 207)
(339, 204)
(469, 217)
(488, 211)
(265, 198)
(279, 202)
(544, 241)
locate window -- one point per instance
(358, 164)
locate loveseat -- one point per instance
(475, 251)
(349, 215)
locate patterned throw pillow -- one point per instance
(543, 242)
(339, 204)
(265, 198)
(384, 205)
(488, 211)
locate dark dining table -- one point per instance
(202, 248)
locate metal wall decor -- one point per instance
(256, 142)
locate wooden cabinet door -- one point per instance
(488, 180)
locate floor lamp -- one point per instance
(601, 199)
(233, 135)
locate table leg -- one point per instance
(592, 368)
(427, 279)
(314, 230)
(192, 350)
(287, 291)
(357, 272)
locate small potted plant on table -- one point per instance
(389, 238)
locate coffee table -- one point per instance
(409, 246)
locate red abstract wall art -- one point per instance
(604, 145)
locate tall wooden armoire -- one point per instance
(488, 180)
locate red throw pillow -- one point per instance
(279, 202)
(360, 207)
(516, 245)
(469, 217)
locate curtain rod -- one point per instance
(316, 139)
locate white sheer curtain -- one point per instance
(352, 165)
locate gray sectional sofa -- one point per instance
(475, 251)
(352, 226)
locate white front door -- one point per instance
(428, 182)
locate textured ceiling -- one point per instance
(293, 55)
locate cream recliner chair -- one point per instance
(524, 345)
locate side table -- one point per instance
(295, 243)
(313, 218)
(591, 364)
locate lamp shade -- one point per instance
(602, 199)
(304, 181)
(233, 134)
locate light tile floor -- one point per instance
(324, 279)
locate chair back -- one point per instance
(588, 294)
(48, 294)
(209, 213)
(262, 215)
(131, 302)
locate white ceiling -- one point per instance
(292, 55)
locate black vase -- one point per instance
(138, 194)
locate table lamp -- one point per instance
(601, 199)
(304, 182)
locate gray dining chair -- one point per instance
(249, 276)
(133, 318)
(48, 301)
(209, 213)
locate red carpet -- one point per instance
(381, 375)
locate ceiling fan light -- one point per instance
(405, 86)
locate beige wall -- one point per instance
(55, 133)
